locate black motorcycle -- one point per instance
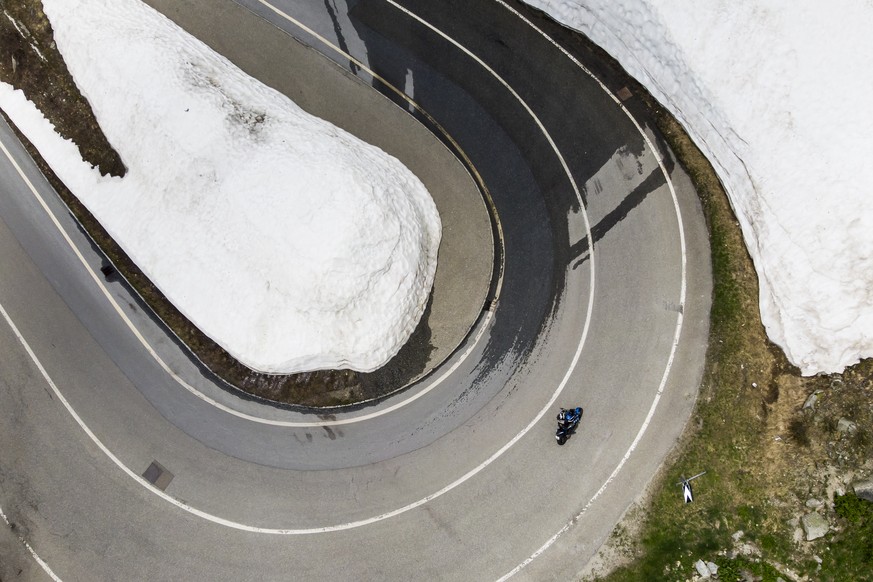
(568, 420)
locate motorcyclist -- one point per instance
(567, 421)
(565, 418)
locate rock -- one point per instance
(811, 400)
(864, 489)
(737, 535)
(813, 503)
(814, 525)
(712, 567)
(701, 568)
(845, 425)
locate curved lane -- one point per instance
(462, 483)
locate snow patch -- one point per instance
(777, 96)
(288, 241)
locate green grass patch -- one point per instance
(849, 554)
(737, 570)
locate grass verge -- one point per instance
(769, 461)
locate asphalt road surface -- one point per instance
(603, 303)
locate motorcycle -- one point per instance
(568, 420)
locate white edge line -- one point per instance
(470, 473)
(163, 365)
(413, 104)
(348, 525)
(42, 563)
(679, 318)
(483, 326)
(248, 528)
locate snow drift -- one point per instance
(777, 94)
(292, 244)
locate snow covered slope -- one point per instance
(777, 94)
(288, 241)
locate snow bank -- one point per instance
(289, 242)
(778, 95)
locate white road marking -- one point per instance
(191, 389)
(348, 525)
(241, 526)
(494, 456)
(679, 318)
(412, 104)
(42, 563)
(409, 87)
(320, 422)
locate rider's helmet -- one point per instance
(562, 416)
